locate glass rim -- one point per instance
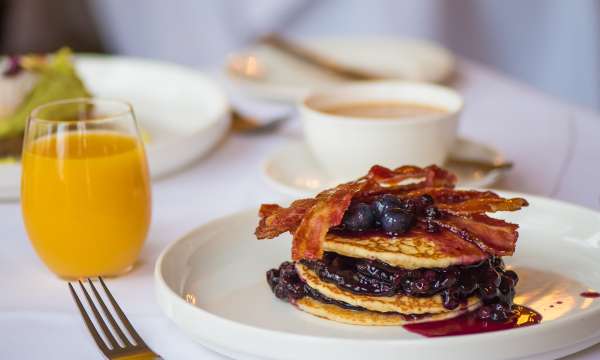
(128, 109)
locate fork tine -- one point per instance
(121, 315)
(111, 339)
(88, 322)
(108, 315)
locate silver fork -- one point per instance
(117, 345)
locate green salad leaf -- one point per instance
(57, 80)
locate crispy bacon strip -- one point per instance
(493, 236)
(327, 212)
(483, 205)
(381, 179)
(275, 220)
(463, 211)
(444, 195)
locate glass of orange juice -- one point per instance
(85, 190)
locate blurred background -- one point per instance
(553, 45)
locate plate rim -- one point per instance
(162, 286)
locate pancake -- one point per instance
(412, 251)
(370, 318)
(399, 303)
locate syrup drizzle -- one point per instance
(470, 324)
(590, 294)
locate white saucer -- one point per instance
(294, 171)
(211, 283)
(288, 79)
(183, 111)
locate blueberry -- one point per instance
(507, 284)
(287, 270)
(488, 292)
(431, 212)
(491, 276)
(410, 206)
(273, 278)
(421, 286)
(467, 285)
(397, 221)
(426, 200)
(450, 277)
(513, 276)
(358, 217)
(384, 203)
(295, 290)
(407, 285)
(500, 312)
(497, 262)
(280, 291)
(500, 307)
(450, 299)
(498, 316)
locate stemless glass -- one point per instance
(85, 189)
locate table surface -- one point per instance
(554, 145)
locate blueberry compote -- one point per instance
(488, 280)
(287, 285)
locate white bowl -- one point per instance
(347, 147)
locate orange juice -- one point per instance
(86, 201)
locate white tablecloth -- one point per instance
(555, 146)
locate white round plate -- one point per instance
(288, 79)
(211, 283)
(183, 112)
(294, 171)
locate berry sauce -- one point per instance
(590, 295)
(488, 280)
(470, 323)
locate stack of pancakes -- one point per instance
(344, 285)
(378, 251)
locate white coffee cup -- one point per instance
(347, 146)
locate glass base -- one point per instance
(92, 276)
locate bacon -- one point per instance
(275, 220)
(325, 214)
(483, 205)
(445, 195)
(462, 211)
(395, 181)
(493, 236)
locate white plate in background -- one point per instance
(211, 283)
(182, 110)
(288, 79)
